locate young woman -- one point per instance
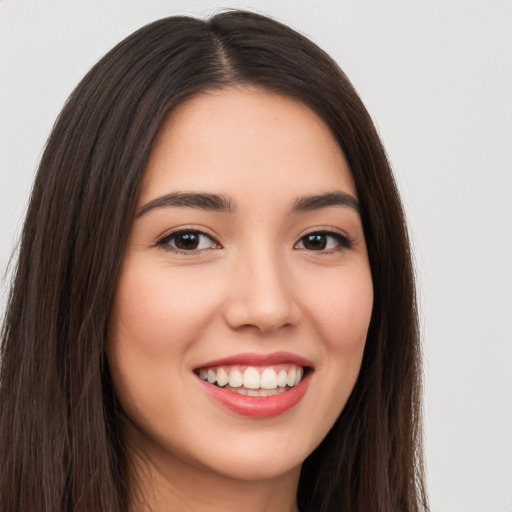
(214, 303)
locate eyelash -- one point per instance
(342, 241)
(164, 242)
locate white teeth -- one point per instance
(212, 376)
(222, 377)
(268, 379)
(291, 377)
(235, 379)
(256, 392)
(271, 392)
(251, 381)
(282, 377)
(298, 375)
(251, 378)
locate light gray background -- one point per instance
(437, 77)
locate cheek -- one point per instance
(341, 311)
(160, 311)
(341, 316)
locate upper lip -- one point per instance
(255, 359)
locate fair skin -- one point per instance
(260, 269)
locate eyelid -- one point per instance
(344, 241)
(162, 241)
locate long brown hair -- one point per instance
(61, 447)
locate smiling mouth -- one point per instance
(254, 381)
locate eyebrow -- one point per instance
(210, 202)
(219, 203)
(316, 202)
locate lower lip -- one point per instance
(258, 406)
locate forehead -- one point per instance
(241, 139)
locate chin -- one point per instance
(260, 457)
(250, 469)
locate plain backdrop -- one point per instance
(436, 76)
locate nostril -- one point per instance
(261, 297)
(263, 318)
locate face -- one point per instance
(245, 295)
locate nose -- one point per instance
(261, 295)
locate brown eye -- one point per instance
(187, 241)
(315, 242)
(323, 241)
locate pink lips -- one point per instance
(252, 359)
(258, 406)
